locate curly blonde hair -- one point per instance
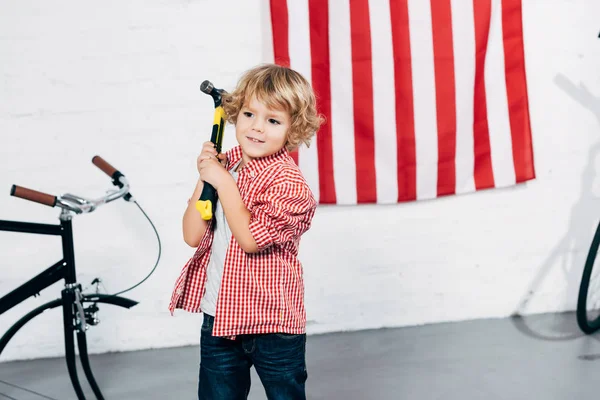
(279, 88)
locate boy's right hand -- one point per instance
(209, 150)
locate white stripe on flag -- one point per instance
(384, 102)
(463, 34)
(342, 123)
(421, 44)
(300, 60)
(497, 103)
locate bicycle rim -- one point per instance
(588, 302)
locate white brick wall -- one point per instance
(120, 79)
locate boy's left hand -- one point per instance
(212, 170)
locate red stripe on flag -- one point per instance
(483, 171)
(280, 27)
(443, 50)
(362, 89)
(405, 120)
(516, 89)
(319, 52)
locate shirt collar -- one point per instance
(255, 166)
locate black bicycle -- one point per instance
(588, 301)
(79, 310)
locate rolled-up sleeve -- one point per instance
(281, 213)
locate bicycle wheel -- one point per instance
(588, 301)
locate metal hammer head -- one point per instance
(208, 88)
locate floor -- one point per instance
(537, 357)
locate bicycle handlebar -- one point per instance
(78, 204)
(104, 166)
(33, 195)
(109, 170)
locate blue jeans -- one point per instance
(225, 364)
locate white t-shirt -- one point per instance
(214, 273)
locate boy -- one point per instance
(245, 275)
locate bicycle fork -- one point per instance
(74, 320)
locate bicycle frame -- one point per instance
(76, 318)
(63, 269)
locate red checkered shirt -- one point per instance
(261, 292)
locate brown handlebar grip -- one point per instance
(104, 166)
(33, 195)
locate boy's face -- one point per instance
(260, 130)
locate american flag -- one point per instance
(423, 98)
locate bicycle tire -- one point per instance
(586, 324)
(87, 298)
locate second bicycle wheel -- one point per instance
(588, 302)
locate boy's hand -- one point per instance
(208, 149)
(211, 165)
